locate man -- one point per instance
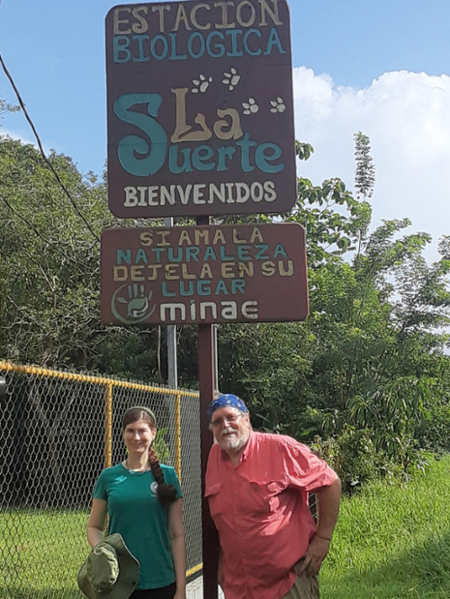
(257, 486)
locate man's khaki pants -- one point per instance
(305, 587)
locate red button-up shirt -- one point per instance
(260, 509)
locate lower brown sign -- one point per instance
(204, 274)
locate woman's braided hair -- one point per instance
(166, 493)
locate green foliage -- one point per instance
(6, 107)
(329, 232)
(354, 456)
(264, 361)
(161, 447)
(367, 375)
(303, 150)
(50, 270)
(365, 169)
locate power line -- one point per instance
(46, 160)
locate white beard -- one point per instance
(233, 439)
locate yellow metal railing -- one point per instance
(109, 384)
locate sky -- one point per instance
(377, 66)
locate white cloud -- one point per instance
(407, 117)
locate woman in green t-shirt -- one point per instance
(143, 501)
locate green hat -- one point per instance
(110, 571)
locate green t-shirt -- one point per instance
(136, 513)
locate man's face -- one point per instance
(231, 428)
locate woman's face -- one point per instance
(138, 436)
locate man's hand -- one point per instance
(313, 558)
(328, 499)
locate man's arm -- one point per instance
(328, 501)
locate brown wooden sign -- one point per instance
(200, 108)
(204, 274)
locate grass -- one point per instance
(41, 553)
(393, 541)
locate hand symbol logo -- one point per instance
(136, 301)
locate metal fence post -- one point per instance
(108, 425)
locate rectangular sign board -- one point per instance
(204, 274)
(200, 109)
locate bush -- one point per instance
(352, 454)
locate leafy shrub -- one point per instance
(352, 454)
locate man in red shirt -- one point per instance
(257, 486)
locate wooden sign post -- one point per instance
(201, 123)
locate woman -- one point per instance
(143, 501)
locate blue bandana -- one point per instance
(227, 401)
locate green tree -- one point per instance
(50, 270)
(365, 169)
(365, 372)
(367, 375)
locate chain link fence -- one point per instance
(58, 430)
